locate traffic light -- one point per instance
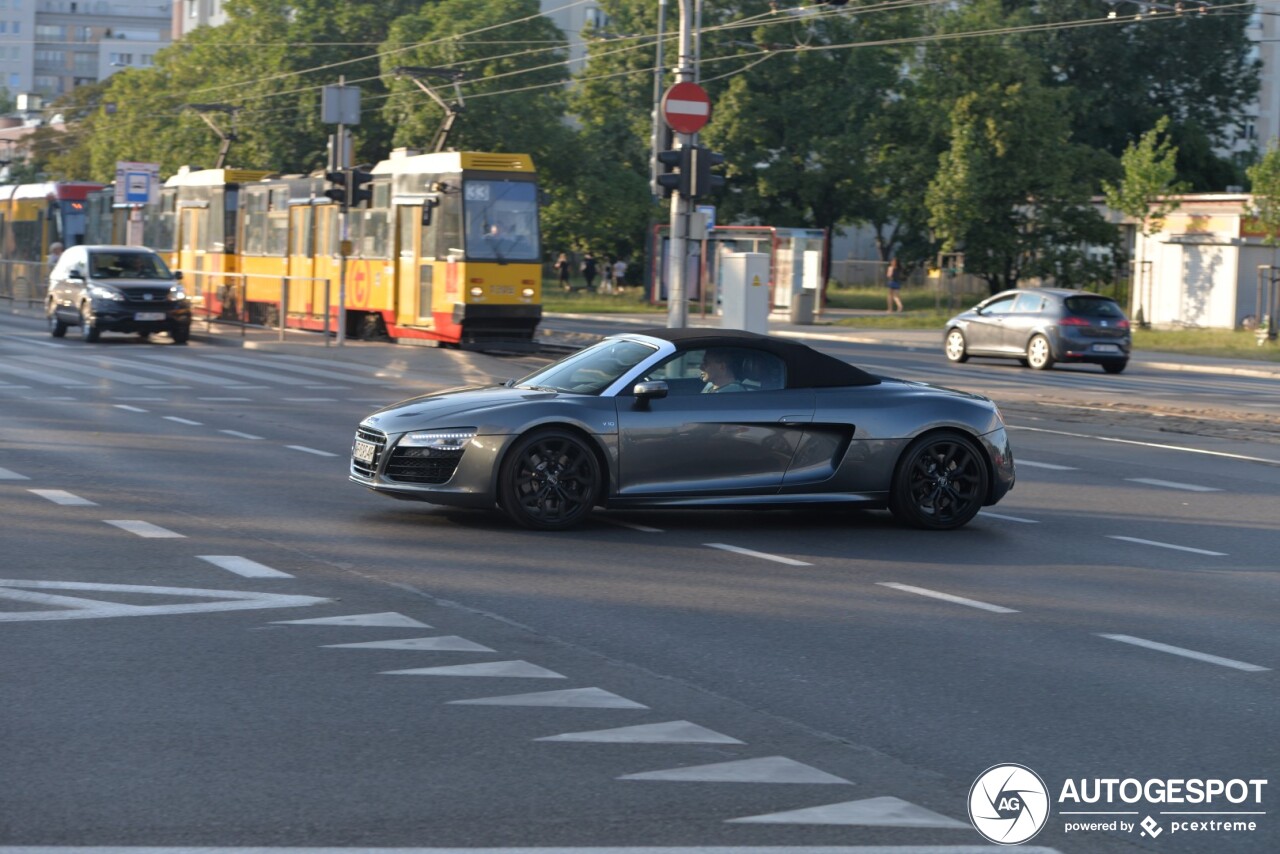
(338, 192)
(701, 181)
(673, 178)
(358, 178)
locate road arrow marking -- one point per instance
(445, 643)
(79, 608)
(880, 812)
(570, 698)
(386, 620)
(672, 732)
(522, 669)
(770, 769)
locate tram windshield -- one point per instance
(501, 220)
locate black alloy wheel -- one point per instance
(180, 333)
(57, 328)
(940, 483)
(550, 480)
(1115, 367)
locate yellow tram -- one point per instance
(33, 217)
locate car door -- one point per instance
(986, 330)
(1026, 315)
(699, 442)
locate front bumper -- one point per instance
(125, 317)
(466, 478)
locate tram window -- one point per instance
(277, 233)
(448, 225)
(501, 220)
(255, 221)
(212, 229)
(405, 215)
(376, 233)
(302, 234)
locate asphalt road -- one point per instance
(778, 679)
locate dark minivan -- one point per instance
(1042, 326)
(116, 289)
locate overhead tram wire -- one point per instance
(903, 41)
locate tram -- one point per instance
(32, 218)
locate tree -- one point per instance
(1146, 193)
(1264, 176)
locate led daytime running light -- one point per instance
(441, 440)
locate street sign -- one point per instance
(137, 183)
(708, 211)
(686, 108)
(340, 105)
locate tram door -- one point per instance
(305, 297)
(191, 259)
(413, 274)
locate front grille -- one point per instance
(139, 295)
(379, 442)
(423, 465)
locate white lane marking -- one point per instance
(1170, 484)
(1143, 542)
(176, 420)
(59, 496)
(559, 849)
(569, 698)
(762, 555)
(671, 732)
(77, 608)
(128, 408)
(1186, 653)
(879, 812)
(947, 597)
(517, 669)
(444, 643)
(311, 400)
(1224, 454)
(1008, 518)
(385, 620)
(143, 529)
(768, 769)
(1050, 466)
(243, 566)
(644, 529)
(307, 450)
(240, 435)
(7, 474)
(147, 399)
(226, 399)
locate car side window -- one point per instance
(1029, 304)
(1004, 305)
(715, 370)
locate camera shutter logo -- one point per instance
(1008, 804)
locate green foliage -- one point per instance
(1265, 178)
(1150, 178)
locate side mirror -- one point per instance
(76, 274)
(652, 390)
(177, 275)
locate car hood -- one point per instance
(439, 408)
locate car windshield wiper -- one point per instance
(541, 388)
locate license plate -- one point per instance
(1106, 348)
(149, 315)
(363, 451)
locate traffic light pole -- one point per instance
(677, 301)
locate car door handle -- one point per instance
(795, 419)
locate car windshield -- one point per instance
(1093, 307)
(592, 370)
(127, 265)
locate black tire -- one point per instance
(145, 336)
(181, 333)
(550, 480)
(88, 328)
(1039, 353)
(955, 347)
(940, 482)
(57, 328)
(1115, 367)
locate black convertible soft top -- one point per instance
(806, 367)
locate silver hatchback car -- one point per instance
(1042, 326)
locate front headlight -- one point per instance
(454, 439)
(99, 292)
(177, 294)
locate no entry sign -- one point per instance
(686, 107)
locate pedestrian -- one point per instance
(619, 272)
(55, 252)
(562, 270)
(589, 270)
(606, 278)
(894, 275)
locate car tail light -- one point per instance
(1073, 321)
(1124, 324)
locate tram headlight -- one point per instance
(454, 439)
(477, 292)
(527, 293)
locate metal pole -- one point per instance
(654, 189)
(677, 308)
(327, 285)
(284, 297)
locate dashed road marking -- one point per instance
(1158, 544)
(501, 669)
(1171, 484)
(243, 566)
(59, 496)
(947, 597)
(6, 474)
(127, 408)
(240, 435)
(176, 420)
(1049, 466)
(1008, 518)
(878, 812)
(1186, 653)
(570, 698)
(385, 620)
(307, 450)
(143, 529)
(644, 529)
(768, 769)
(671, 732)
(444, 643)
(762, 555)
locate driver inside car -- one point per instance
(721, 373)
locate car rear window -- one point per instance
(1093, 307)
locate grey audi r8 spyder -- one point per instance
(684, 418)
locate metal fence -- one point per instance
(24, 282)
(222, 297)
